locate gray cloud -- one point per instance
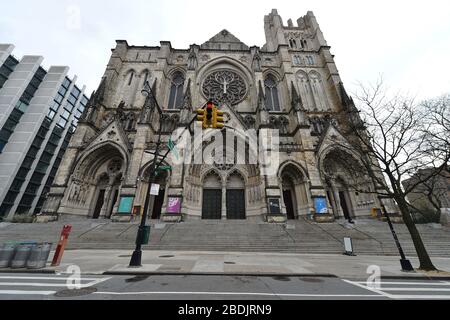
(407, 41)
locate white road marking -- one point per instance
(46, 278)
(416, 287)
(237, 294)
(413, 283)
(22, 292)
(368, 288)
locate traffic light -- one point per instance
(201, 119)
(210, 110)
(218, 121)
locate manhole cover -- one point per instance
(229, 262)
(281, 278)
(315, 280)
(167, 256)
(75, 292)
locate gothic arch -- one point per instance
(295, 164)
(236, 171)
(305, 91)
(225, 62)
(94, 153)
(318, 89)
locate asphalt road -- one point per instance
(22, 286)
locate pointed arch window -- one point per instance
(131, 78)
(176, 91)
(272, 98)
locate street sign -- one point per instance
(154, 190)
(173, 148)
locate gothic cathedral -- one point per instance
(291, 84)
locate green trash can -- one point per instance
(146, 235)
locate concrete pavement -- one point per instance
(115, 262)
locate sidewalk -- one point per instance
(115, 262)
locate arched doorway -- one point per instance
(343, 176)
(212, 197)
(294, 189)
(94, 187)
(236, 197)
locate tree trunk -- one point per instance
(422, 254)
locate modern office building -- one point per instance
(39, 111)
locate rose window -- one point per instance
(224, 87)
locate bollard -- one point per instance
(61, 245)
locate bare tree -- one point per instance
(394, 138)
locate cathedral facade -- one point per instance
(291, 85)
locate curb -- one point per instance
(156, 273)
(37, 271)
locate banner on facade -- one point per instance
(174, 205)
(274, 206)
(320, 204)
(126, 204)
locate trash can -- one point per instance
(39, 256)
(7, 254)
(21, 255)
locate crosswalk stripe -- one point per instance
(415, 289)
(47, 278)
(23, 292)
(411, 283)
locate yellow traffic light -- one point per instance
(201, 119)
(218, 121)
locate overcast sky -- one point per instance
(408, 42)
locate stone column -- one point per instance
(224, 200)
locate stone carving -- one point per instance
(224, 87)
(256, 64)
(192, 60)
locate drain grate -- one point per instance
(167, 256)
(229, 262)
(75, 292)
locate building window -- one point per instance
(131, 78)
(176, 91)
(272, 99)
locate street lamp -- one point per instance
(405, 263)
(136, 258)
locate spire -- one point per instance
(187, 100)
(99, 95)
(187, 105)
(261, 98)
(345, 99)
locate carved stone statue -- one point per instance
(192, 59)
(256, 64)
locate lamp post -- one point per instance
(405, 263)
(136, 258)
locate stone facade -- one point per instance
(291, 84)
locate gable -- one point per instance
(224, 40)
(113, 132)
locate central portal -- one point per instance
(236, 204)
